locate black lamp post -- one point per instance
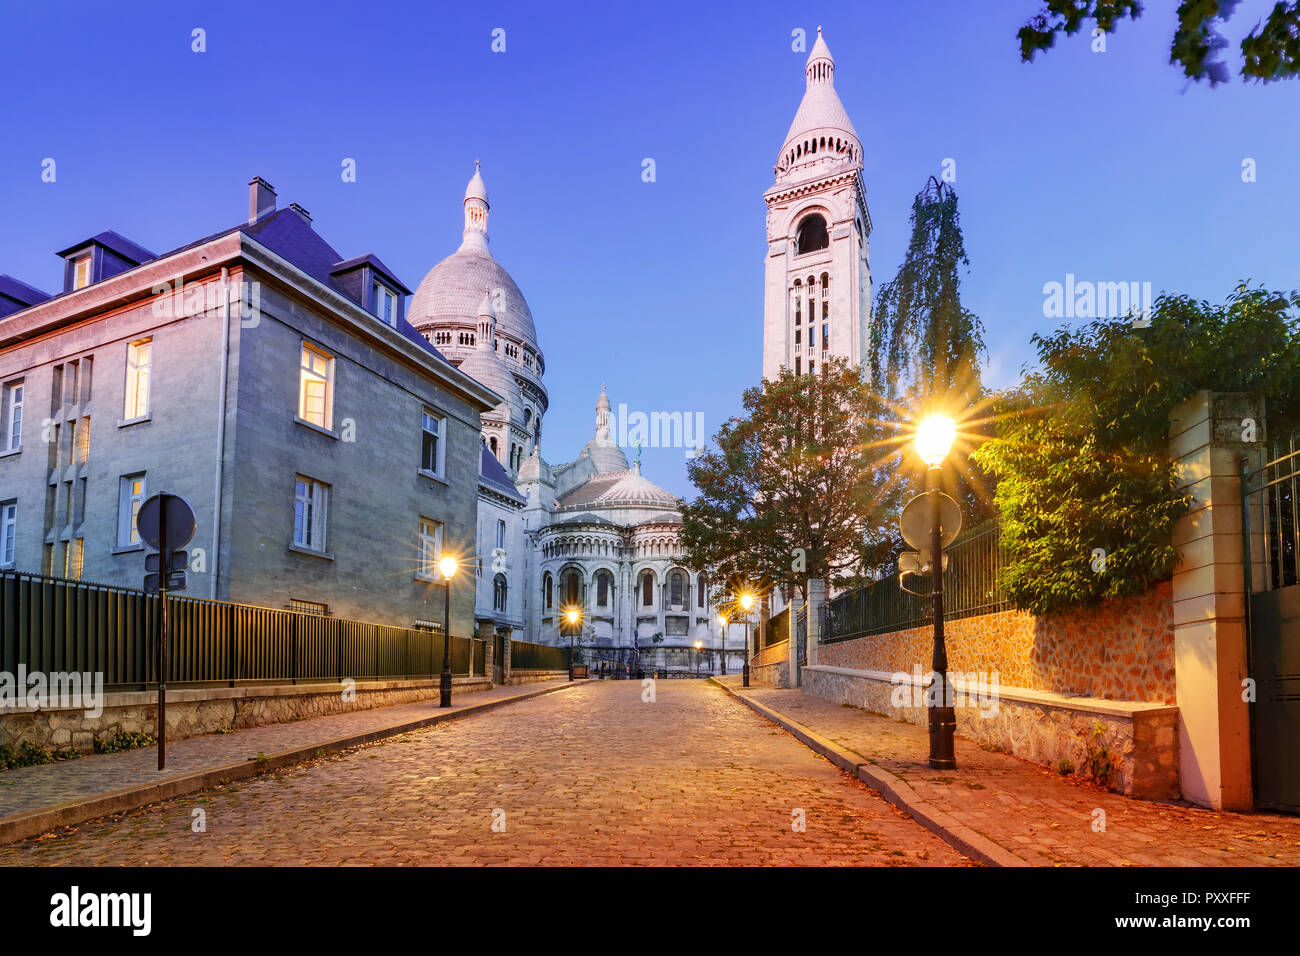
(447, 565)
(933, 440)
(722, 619)
(746, 602)
(574, 617)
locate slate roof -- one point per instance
(123, 246)
(495, 475)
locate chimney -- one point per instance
(261, 199)
(306, 216)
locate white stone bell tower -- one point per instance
(817, 298)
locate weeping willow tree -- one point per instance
(926, 347)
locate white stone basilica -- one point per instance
(595, 533)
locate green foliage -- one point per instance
(28, 755)
(926, 350)
(1271, 51)
(791, 489)
(123, 741)
(1065, 766)
(1082, 457)
(1099, 766)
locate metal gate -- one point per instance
(800, 643)
(1270, 554)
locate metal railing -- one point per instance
(1271, 518)
(970, 587)
(526, 656)
(55, 625)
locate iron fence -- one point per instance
(525, 656)
(970, 587)
(51, 624)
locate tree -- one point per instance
(926, 347)
(1087, 491)
(1269, 52)
(791, 490)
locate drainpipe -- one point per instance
(221, 426)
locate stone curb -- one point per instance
(23, 825)
(892, 787)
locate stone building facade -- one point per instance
(274, 385)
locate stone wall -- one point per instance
(1121, 650)
(1139, 738)
(534, 676)
(191, 712)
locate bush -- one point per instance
(123, 741)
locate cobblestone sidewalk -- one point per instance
(1035, 814)
(33, 789)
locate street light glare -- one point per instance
(747, 600)
(934, 438)
(447, 565)
(572, 615)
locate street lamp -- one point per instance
(447, 565)
(746, 602)
(573, 616)
(934, 438)
(722, 619)
(698, 645)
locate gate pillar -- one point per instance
(1209, 598)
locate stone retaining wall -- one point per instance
(534, 676)
(1121, 650)
(1139, 738)
(195, 711)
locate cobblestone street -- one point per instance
(590, 776)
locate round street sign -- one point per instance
(917, 526)
(180, 521)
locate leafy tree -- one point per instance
(791, 490)
(1269, 52)
(1081, 455)
(926, 347)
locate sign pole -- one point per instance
(162, 641)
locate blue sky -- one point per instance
(1106, 165)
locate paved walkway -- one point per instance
(595, 774)
(1032, 812)
(27, 790)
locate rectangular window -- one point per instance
(130, 497)
(8, 532)
(81, 272)
(385, 303)
(310, 509)
(430, 549)
(826, 336)
(74, 559)
(798, 336)
(316, 387)
(308, 607)
(501, 533)
(139, 364)
(432, 452)
(798, 309)
(13, 416)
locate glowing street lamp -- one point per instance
(934, 438)
(574, 617)
(722, 620)
(746, 602)
(447, 565)
(698, 646)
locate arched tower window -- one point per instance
(700, 588)
(677, 589)
(547, 590)
(571, 587)
(812, 235)
(499, 593)
(604, 584)
(648, 589)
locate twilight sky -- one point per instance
(1108, 166)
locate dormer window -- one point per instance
(81, 272)
(385, 303)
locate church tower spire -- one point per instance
(476, 212)
(817, 286)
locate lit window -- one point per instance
(385, 303)
(81, 272)
(430, 547)
(131, 495)
(8, 531)
(310, 510)
(432, 451)
(14, 416)
(308, 607)
(74, 559)
(139, 364)
(316, 386)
